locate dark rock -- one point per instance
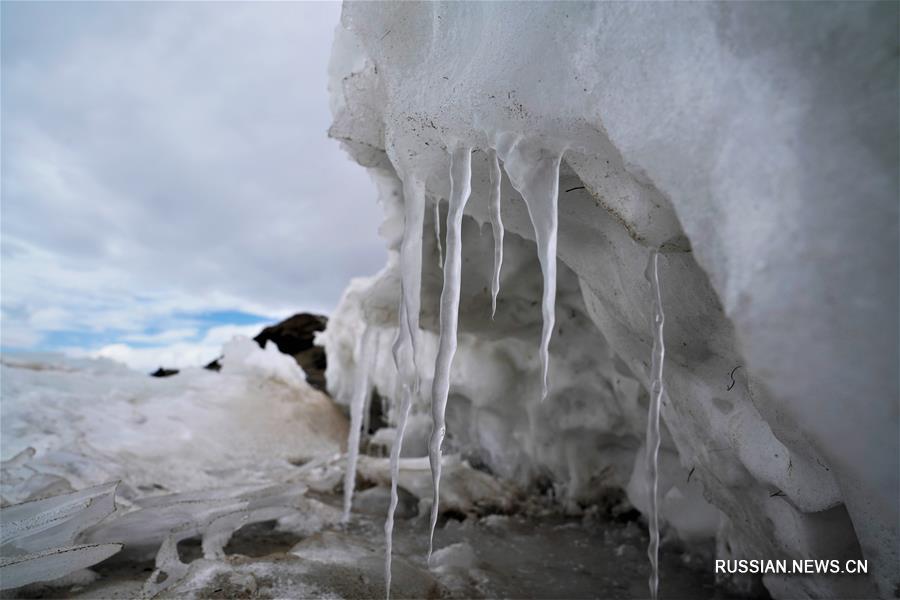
(160, 372)
(377, 418)
(215, 365)
(294, 336)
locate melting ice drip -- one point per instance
(460, 188)
(496, 226)
(403, 361)
(657, 392)
(405, 345)
(357, 402)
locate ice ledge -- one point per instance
(725, 125)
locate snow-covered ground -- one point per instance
(198, 453)
(228, 484)
(91, 421)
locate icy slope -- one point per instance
(156, 462)
(754, 144)
(94, 421)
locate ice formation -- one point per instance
(40, 538)
(460, 188)
(411, 268)
(496, 228)
(396, 449)
(361, 392)
(404, 365)
(717, 133)
(657, 392)
(534, 172)
(157, 524)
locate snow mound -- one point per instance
(244, 356)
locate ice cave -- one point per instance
(639, 318)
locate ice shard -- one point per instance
(460, 188)
(37, 538)
(17, 571)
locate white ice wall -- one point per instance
(756, 143)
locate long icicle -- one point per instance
(534, 172)
(403, 363)
(405, 345)
(357, 402)
(411, 262)
(460, 187)
(437, 232)
(497, 227)
(657, 391)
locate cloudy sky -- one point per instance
(167, 181)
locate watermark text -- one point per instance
(808, 566)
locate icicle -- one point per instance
(357, 402)
(437, 232)
(460, 187)
(534, 172)
(401, 342)
(405, 345)
(367, 408)
(497, 227)
(657, 391)
(411, 263)
(395, 475)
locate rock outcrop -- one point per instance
(294, 336)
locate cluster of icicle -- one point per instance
(534, 172)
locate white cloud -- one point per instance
(171, 158)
